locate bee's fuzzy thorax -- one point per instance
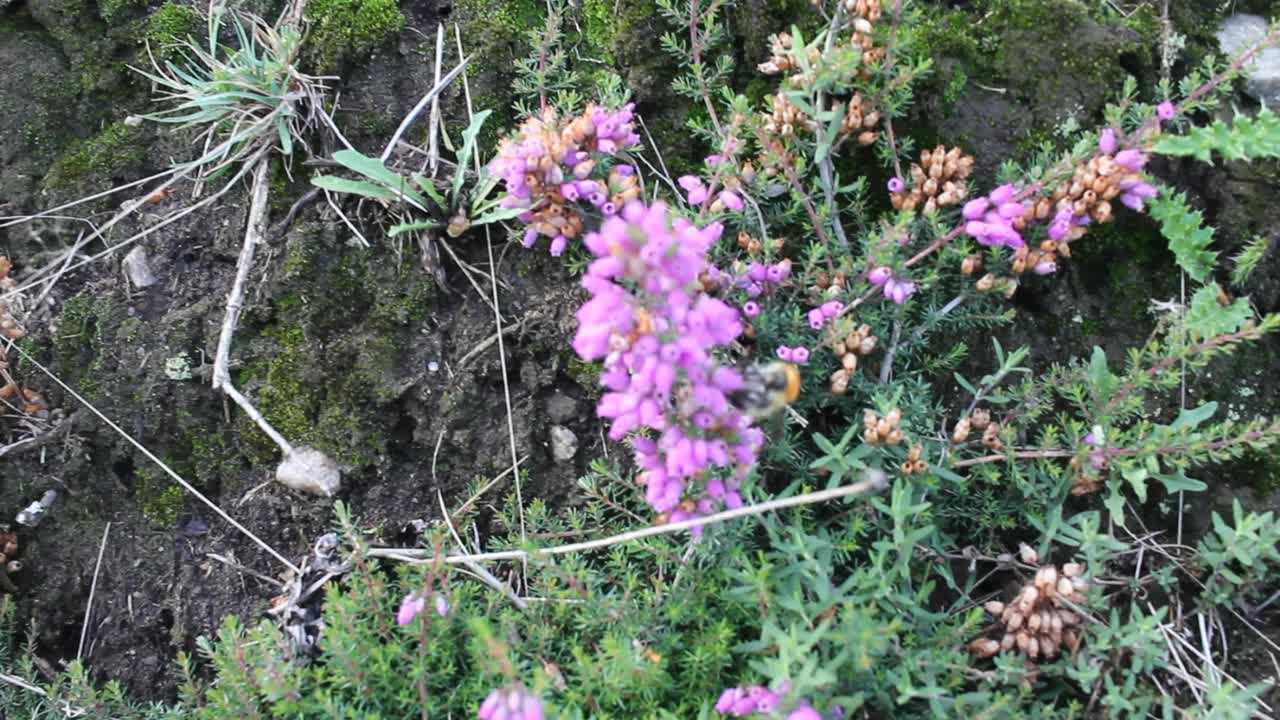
(792, 389)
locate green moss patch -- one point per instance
(170, 24)
(347, 31)
(91, 165)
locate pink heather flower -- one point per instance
(899, 290)
(831, 309)
(1090, 439)
(1107, 141)
(778, 272)
(442, 606)
(1166, 110)
(816, 319)
(804, 712)
(879, 275)
(1132, 159)
(558, 245)
(741, 702)
(714, 160)
(689, 182)
(731, 200)
(1061, 225)
(785, 353)
(976, 208)
(657, 331)
(697, 196)
(897, 185)
(530, 237)
(511, 703)
(800, 355)
(750, 309)
(1001, 195)
(757, 272)
(410, 606)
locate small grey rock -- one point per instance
(1237, 34)
(138, 269)
(561, 409)
(310, 471)
(564, 444)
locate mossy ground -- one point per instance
(168, 25)
(325, 363)
(94, 164)
(347, 31)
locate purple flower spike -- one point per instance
(897, 185)
(1166, 110)
(785, 353)
(800, 355)
(879, 275)
(410, 606)
(530, 237)
(751, 308)
(1107, 141)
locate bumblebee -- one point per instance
(767, 388)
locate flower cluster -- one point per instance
(754, 246)
(819, 316)
(697, 193)
(937, 181)
(1111, 174)
(914, 465)
(997, 219)
(861, 118)
(9, 562)
(9, 326)
(550, 169)
(858, 342)
(797, 355)
(511, 703)
(1040, 620)
(655, 328)
(893, 288)
(785, 117)
(981, 421)
(742, 702)
(414, 603)
(878, 430)
(760, 700)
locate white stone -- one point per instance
(138, 268)
(1237, 34)
(564, 444)
(310, 471)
